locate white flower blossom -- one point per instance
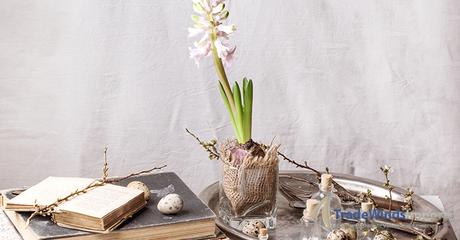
(208, 22)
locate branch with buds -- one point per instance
(48, 210)
(386, 171)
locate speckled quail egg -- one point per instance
(384, 235)
(350, 230)
(337, 234)
(141, 186)
(170, 204)
(253, 227)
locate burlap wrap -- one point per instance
(251, 186)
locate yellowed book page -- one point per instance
(100, 201)
(49, 190)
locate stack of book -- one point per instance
(114, 210)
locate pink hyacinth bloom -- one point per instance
(208, 22)
(225, 52)
(201, 49)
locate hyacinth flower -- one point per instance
(214, 35)
(250, 172)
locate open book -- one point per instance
(99, 209)
(46, 192)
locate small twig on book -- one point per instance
(118, 179)
(105, 169)
(49, 209)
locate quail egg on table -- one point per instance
(170, 204)
(384, 235)
(141, 186)
(252, 228)
(337, 234)
(350, 231)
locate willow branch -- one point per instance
(210, 147)
(298, 179)
(49, 209)
(298, 165)
(105, 169)
(386, 171)
(341, 191)
(412, 229)
(118, 179)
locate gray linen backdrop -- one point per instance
(351, 85)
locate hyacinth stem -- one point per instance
(222, 75)
(226, 92)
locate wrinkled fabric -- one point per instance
(351, 85)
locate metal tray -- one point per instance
(288, 215)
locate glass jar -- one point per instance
(248, 189)
(329, 204)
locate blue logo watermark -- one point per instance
(376, 213)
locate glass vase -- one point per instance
(248, 189)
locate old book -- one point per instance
(99, 209)
(46, 192)
(195, 221)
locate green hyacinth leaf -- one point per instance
(245, 86)
(239, 112)
(248, 98)
(227, 105)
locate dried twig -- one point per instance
(342, 192)
(118, 179)
(412, 229)
(299, 179)
(210, 146)
(105, 169)
(298, 165)
(49, 209)
(367, 197)
(386, 171)
(408, 200)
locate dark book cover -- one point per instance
(159, 184)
